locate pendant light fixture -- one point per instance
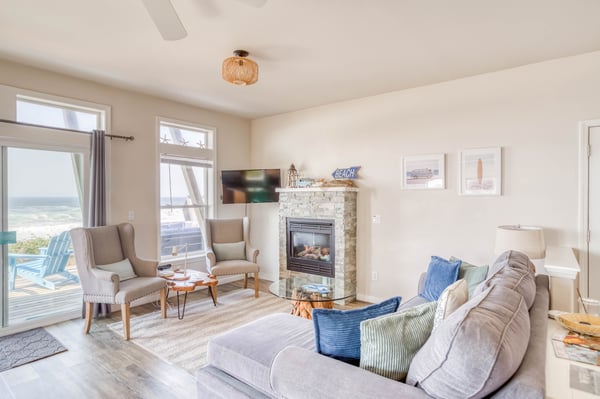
(240, 70)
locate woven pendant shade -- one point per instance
(239, 70)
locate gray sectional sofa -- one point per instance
(274, 357)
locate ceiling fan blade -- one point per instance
(166, 19)
(254, 3)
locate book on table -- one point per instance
(578, 347)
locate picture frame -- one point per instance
(424, 172)
(480, 171)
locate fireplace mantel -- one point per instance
(334, 203)
(316, 189)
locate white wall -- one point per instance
(532, 112)
(133, 165)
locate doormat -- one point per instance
(26, 347)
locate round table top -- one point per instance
(188, 281)
(308, 287)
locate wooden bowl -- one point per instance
(581, 323)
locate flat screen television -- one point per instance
(250, 186)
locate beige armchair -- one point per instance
(228, 249)
(101, 254)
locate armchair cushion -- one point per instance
(234, 267)
(123, 268)
(230, 251)
(139, 287)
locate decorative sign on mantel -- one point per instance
(346, 173)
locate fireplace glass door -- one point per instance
(311, 246)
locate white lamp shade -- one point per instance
(526, 239)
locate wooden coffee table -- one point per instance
(179, 282)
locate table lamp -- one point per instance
(526, 239)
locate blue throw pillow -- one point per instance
(440, 274)
(337, 332)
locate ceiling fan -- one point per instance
(167, 21)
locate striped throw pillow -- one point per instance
(389, 343)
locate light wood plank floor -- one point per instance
(103, 365)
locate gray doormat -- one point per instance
(26, 347)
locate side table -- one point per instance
(179, 282)
(558, 371)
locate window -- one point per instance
(186, 187)
(51, 114)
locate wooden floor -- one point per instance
(103, 365)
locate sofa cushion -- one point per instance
(337, 332)
(453, 297)
(247, 352)
(476, 349)
(472, 273)
(230, 251)
(513, 270)
(389, 343)
(440, 274)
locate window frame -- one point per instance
(192, 154)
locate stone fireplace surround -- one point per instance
(337, 203)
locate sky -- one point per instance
(38, 173)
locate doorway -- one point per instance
(589, 258)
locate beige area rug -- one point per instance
(184, 342)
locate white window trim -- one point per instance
(181, 151)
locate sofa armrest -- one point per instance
(299, 373)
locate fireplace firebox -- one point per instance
(311, 246)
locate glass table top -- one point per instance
(308, 287)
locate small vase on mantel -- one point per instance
(292, 177)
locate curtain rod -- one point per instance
(111, 136)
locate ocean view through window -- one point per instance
(186, 188)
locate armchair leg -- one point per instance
(246, 280)
(125, 317)
(163, 303)
(256, 283)
(88, 317)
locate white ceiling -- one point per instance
(310, 52)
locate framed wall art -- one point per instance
(424, 172)
(480, 171)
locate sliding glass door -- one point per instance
(44, 197)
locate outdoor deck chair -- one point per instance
(50, 262)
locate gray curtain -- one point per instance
(97, 208)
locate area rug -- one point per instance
(184, 342)
(26, 347)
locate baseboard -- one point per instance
(368, 298)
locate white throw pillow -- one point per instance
(452, 298)
(122, 268)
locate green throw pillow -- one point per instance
(389, 343)
(122, 268)
(473, 274)
(230, 251)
